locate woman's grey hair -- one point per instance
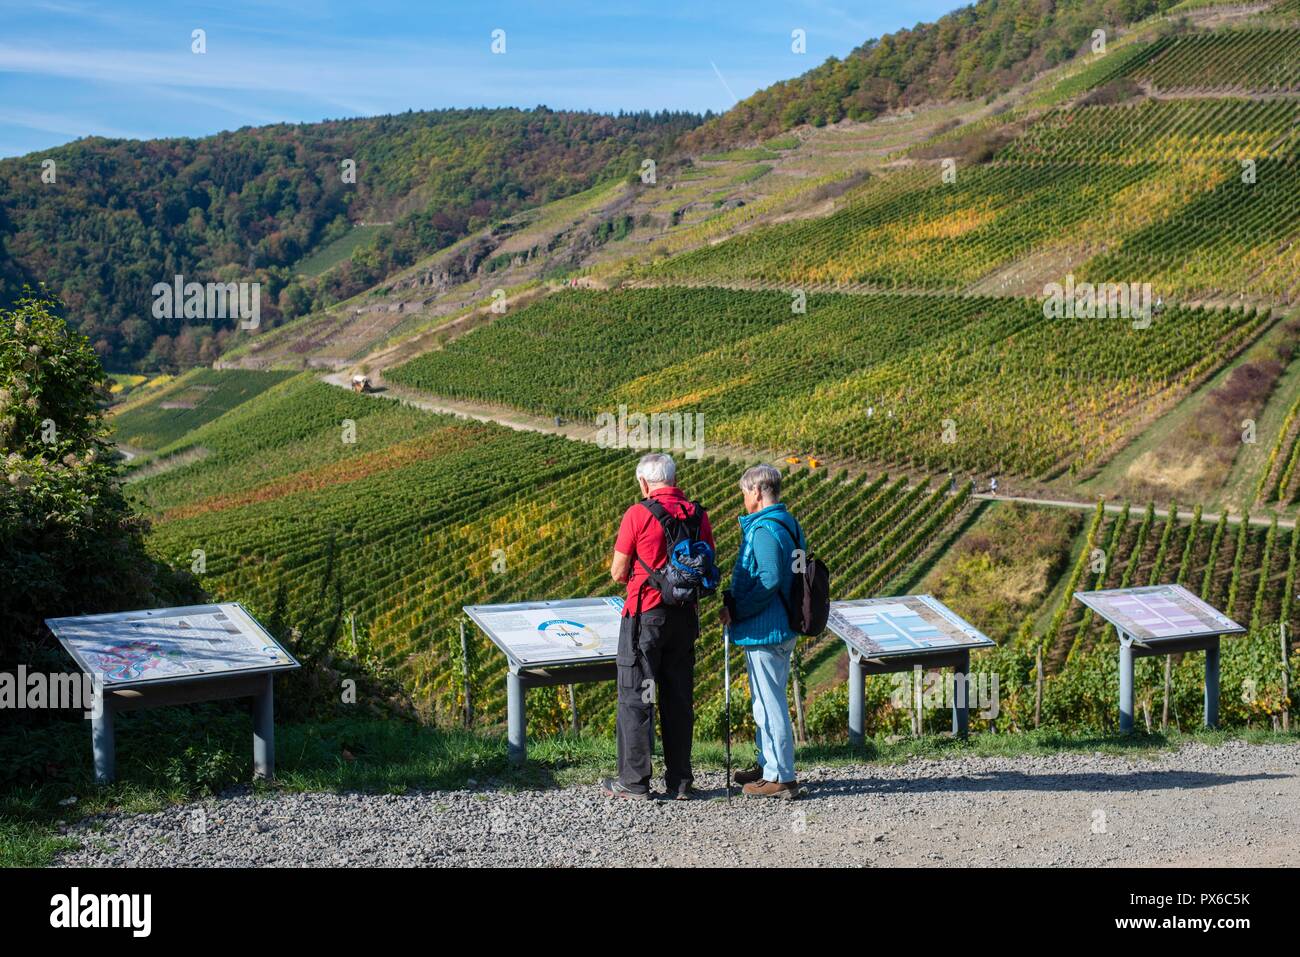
(765, 478)
(657, 467)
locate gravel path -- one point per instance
(1236, 804)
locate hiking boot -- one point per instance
(611, 788)
(785, 791)
(749, 775)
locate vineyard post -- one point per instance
(464, 670)
(1038, 685)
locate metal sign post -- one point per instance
(1162, 620)
(892, 635)
(860, 667)
(169, 656)
(548, 643)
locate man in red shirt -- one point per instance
(656, 643)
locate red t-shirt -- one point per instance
(641, 536)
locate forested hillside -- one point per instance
(984, 48)
(248, 206)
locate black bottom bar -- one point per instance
(1075, 905)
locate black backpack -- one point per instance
(810, 592)
(689, 574)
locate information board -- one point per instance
(552, 632)
(1158, 612)
(908, 624)
(165, 645)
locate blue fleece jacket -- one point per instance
(763, 573)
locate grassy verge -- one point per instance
(171, 758)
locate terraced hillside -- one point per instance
(423, 514)
(1255, 61)
(926, 382)
(1114, 193)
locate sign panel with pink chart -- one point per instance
(1156, 613)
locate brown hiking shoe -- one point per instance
(749, 775)
(785, 791)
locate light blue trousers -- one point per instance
(769, 672)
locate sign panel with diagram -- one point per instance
(570, 631)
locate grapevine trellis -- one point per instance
(1257, 61)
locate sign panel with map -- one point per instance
(1158, 612)
(168, 645)
(571, 631)
(906, 625)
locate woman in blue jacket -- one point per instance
(754, 609)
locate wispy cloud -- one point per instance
(245, 110)
(64, 124)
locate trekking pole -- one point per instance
(726, 695)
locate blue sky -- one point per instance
(70, 68)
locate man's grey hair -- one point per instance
(657, 467)
(765, 478)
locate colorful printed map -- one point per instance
(171, 643)
(880, 627)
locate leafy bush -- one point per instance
(69, 543)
